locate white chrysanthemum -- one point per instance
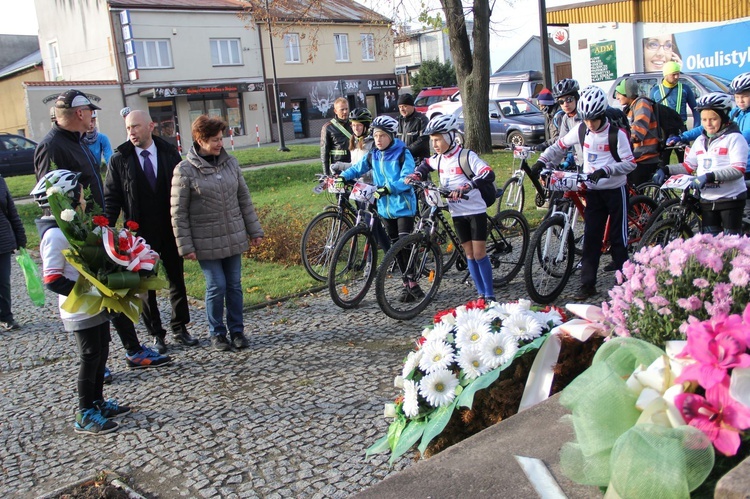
(68, 215)
(411, 362)
(471, 332)
(437, 333)
(411, 403)
(470, 361)
(522, 326)
(436, 355)
(439, 387)
(53, 190)
(545, 318)
(497, 349)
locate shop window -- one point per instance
(367, 40)
(226, 52)
(341, 40)
(291, 47)
(153, 54)
(226, 107)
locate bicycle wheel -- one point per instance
(422, 259)
(319, 240)
(507, 242)
(549, 261)
(352, 268)
(448, 244)
(577, 225)
(664, 231)
(672, 208)
(513, 196)
(640, 209)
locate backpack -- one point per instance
(617, 121)
(668, 121)
(486, 187)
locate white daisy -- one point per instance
(470, 361)
(497, 349)
(437, 355)
(411, 362)
(68, 215)
(439, 387)
(472, 314)
(439, 332)
(522, 325)
(411, 403)
(545, 318)
(471, 332)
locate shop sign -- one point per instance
(158, 92)
(603, 61)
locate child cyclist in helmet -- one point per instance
(91, 331)
(390, 163)
(719, 159)
(606, 194)
(469, 215)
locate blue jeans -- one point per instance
(223, 282)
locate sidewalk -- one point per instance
(289, 417)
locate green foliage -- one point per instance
(433, 73)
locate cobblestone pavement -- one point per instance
(289, 417)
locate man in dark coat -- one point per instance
(411, 125)
(139, 182)
(335, 135)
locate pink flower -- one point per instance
(690, 304)
(739, 277)
(700, 283)
(718, 416)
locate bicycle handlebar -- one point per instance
(430, 186)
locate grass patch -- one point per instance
(270, 154)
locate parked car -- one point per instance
(512, 121)
(699, 83)
(447, 106)
(16, 155)
(431, 95)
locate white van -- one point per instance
(526, 84)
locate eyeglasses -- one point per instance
(654, 45)
(566, 100)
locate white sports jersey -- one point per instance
(729, 149)
(452, 177)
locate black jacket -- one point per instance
(411, 132)
(12, 233)
(334, 143)
(65, 149)
(121, 190)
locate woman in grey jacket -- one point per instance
(214, 222)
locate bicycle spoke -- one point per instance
(352, 268)
(549, 261)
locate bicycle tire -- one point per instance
(319, 240)
(389, 285)
(640, 209)
(671, 208)
(448, 247)
(352, 267)
(507, 243)
(546, 277)
(664, 231)
(513, 197)
(563, 204)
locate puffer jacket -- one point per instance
(12, 233)
(212, 213)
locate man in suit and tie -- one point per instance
(138, 182)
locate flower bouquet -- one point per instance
(115, 265)
(702, 277)
(463, 352)
(648, 421)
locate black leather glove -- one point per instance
(538, 167)
(540, 147)
(381, 191)
(597, 175)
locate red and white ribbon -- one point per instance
(138, 255)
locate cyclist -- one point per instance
(552, 117)
(391, 162)
(644, 130)
(673, 93)
(469, 215)
(606, 194)
(335, 135)
(719, 159)
(565, 92)
(360, 142)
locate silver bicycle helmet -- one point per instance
(592, 103)
(444, 123)
(741, 83)
(65, 180)
(567, 86)
(386, 124)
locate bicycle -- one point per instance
(550, 261)
(512, 195)
(507, 241)
(677, 218)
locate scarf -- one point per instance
(90, 137)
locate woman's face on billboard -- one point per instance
(657, 50)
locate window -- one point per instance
(55, 65)
(226, 106)
(225, 52)
(341, 41)
(368, 46)
(153, 54)
(291, 47)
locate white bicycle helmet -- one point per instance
(65, 180)
(716, 101)
(567, 86)
(741, 83)
(445, 123)
(386, 124)
(592, 103)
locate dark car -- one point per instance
(512, 121)
(16, 155)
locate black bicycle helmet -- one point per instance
(361, 115)
(445, 123)
(592, 103)
(741, 83)
(63, 181)
(719, 102)
(567, 86)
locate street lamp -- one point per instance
(282, 147)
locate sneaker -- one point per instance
(146, 358)
(405, 296)
(92, 422)
(585, 292)
(107, 376)
(239, 340)
(219, 342)
(416, 292)
(111, 409)
(182, 336)
(611, 267)
(10, 325)
(159, 346)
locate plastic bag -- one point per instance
(33, 280)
